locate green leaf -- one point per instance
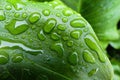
(58, 43)
(103, 15)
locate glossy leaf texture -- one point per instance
(48, 41)
(103, 15)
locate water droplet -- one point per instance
(88, 57)
(55, 36)
(65, 38)
(24, 15)
(61, 27)
(46, 12)
(50, 24)
(70, 43)
(75, 34)
(91, 42)
(17, 58)
(19, 6)
(34, 17)
(8, 7)
(2, 15)
(58, 47)
(58, 15)
(92, 72)
(67, 12)
(78, 23)
(64, 20)
(59, 7)
(17, 15)
(4, 57)
(17, 27)
(41, 36)
(73, 58)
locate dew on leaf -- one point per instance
(34, 17)
(46, 12)
(49, 26)
(17, 27)
(78, 23)
(88, 57)
(41, 36)
(73, 58)
(2, 15)
(58, 47)
(91, 42)
(4, 58)
(17, 58)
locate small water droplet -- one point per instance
(17, 15)
(2, 15)
(70, 43)
(55, 36)
(76, 34)
(73, 58)
(91, 42)
(67, 12)
(46, 12)
(78, 23)
(17, 27)
(61, 27)
(59, 7)
(58, 15)
(8, 7)
(4, 57)
(92, 72)
(41, 36)
(64, 19)
(88, 57)
(58, 47)
(34, 17)
(65, 38)
(24, 15)
(17, 58)
(50, 24)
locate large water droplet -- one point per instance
(46, 12)
(88, 57)
(61, 27)
(91, 42)
(18, 6)
(17, 27)
(78, 23)
(2, 15)
(41, 36)
(58, 47)
(92, 72)
(67, 12)
(50, 24)
(17, 58)
(76, 34)
(8, 7)
(55, 36)
(73, 58)
(4, 57)
(34, 17)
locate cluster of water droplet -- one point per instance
(56, 28)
